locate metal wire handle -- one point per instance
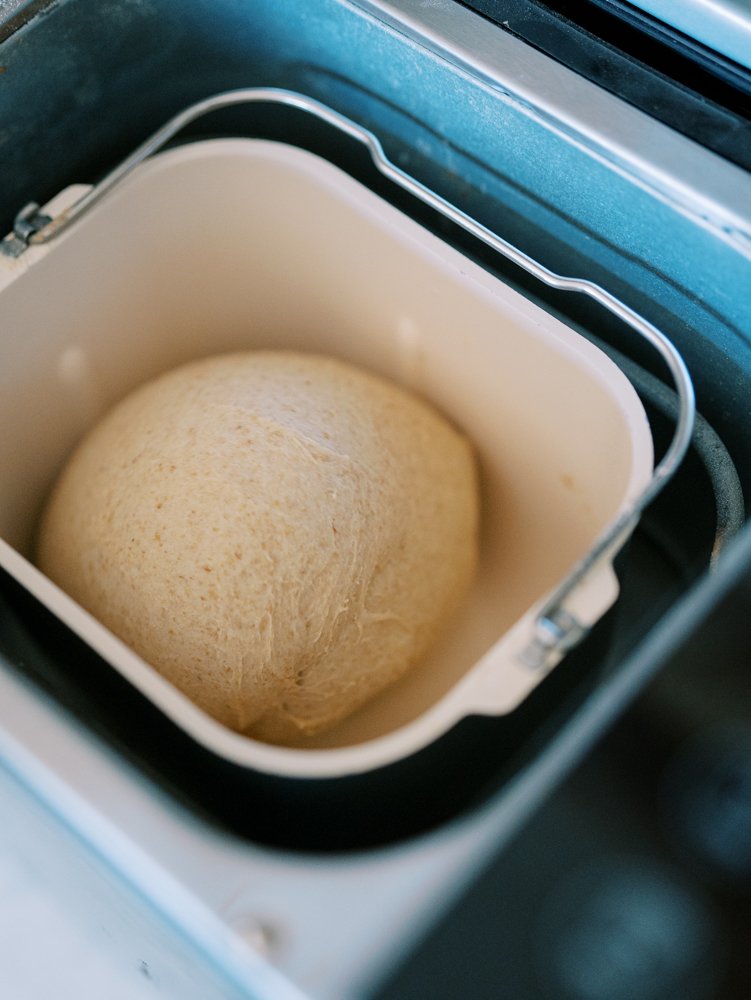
(556, 630)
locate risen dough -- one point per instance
(281, 535)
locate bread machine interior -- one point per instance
(55, 396)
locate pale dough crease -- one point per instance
(281, 535)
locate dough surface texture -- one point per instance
(280, 535)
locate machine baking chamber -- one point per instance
(236, 244)
(578, 180)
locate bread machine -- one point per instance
(573, 176)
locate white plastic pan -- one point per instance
(232, 244)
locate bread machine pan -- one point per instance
(231, 244)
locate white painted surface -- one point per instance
(46, 952)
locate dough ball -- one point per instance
(281, 535)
